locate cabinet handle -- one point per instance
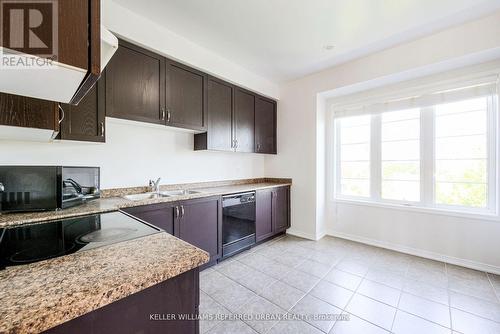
(176, 212)
(258, 147)
(182, 211)
(236, 143)
(102, 129)
(62, 113)
(168, 116)
(162, 110)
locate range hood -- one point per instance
(58, 81)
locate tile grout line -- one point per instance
(400, 296)
(356, 290)
(497, 294)
(449, 294)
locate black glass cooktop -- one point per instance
(32, 243)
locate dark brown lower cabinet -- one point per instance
(160, 215)
(272, 212)
(200, 224)
(197, 221)
(145, 312)
(281, 209)
(263, 215)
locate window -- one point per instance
(354, 171)
(401, 155)
(440, 155)
(461, 158)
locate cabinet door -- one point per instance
(185, 97)
(219, 134)
(27, 112)
(159, 215)
(265, 126)
(281, 209)
(135, 85)
(199, 224)
(244, 119)
(86, 121)
(263, 214)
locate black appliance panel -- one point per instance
(38, 188)
(32, 243)
(238, 223)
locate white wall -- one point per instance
(301, 134)
(136, 152)
(142, 31)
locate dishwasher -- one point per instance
(238, 223)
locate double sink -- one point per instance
(161, 194)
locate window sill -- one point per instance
(423, 210)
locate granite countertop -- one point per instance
(42, 295)
(114, 201)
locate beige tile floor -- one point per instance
(381, 291)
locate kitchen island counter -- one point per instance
(38, 296)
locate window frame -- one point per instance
(338, 161)
(427, 180)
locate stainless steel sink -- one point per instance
(179, 192)
(141, 197)
(168, 193)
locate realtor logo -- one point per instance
(29, 32)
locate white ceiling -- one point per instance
(284, 39)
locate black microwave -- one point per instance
(41, 188)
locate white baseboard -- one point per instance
(301, 234)
(419, 252)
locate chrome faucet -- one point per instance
(155, 186)
(2, 188)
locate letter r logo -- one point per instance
(29, 26)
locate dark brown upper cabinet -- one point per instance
(219, 135)
(186, 98)
(244, 121)
(27, 112)
(86, 121)
(135, 85)
(265, 125)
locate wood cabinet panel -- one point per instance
(159, 215)
(219, 114)
(265, 126)
(178, 296)
(135, 85)
(27, 112)
(185, 97)
(263, 215)
(73, 36)
(200, 224)
(86, 121)
(281, 209)
(244, 119)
